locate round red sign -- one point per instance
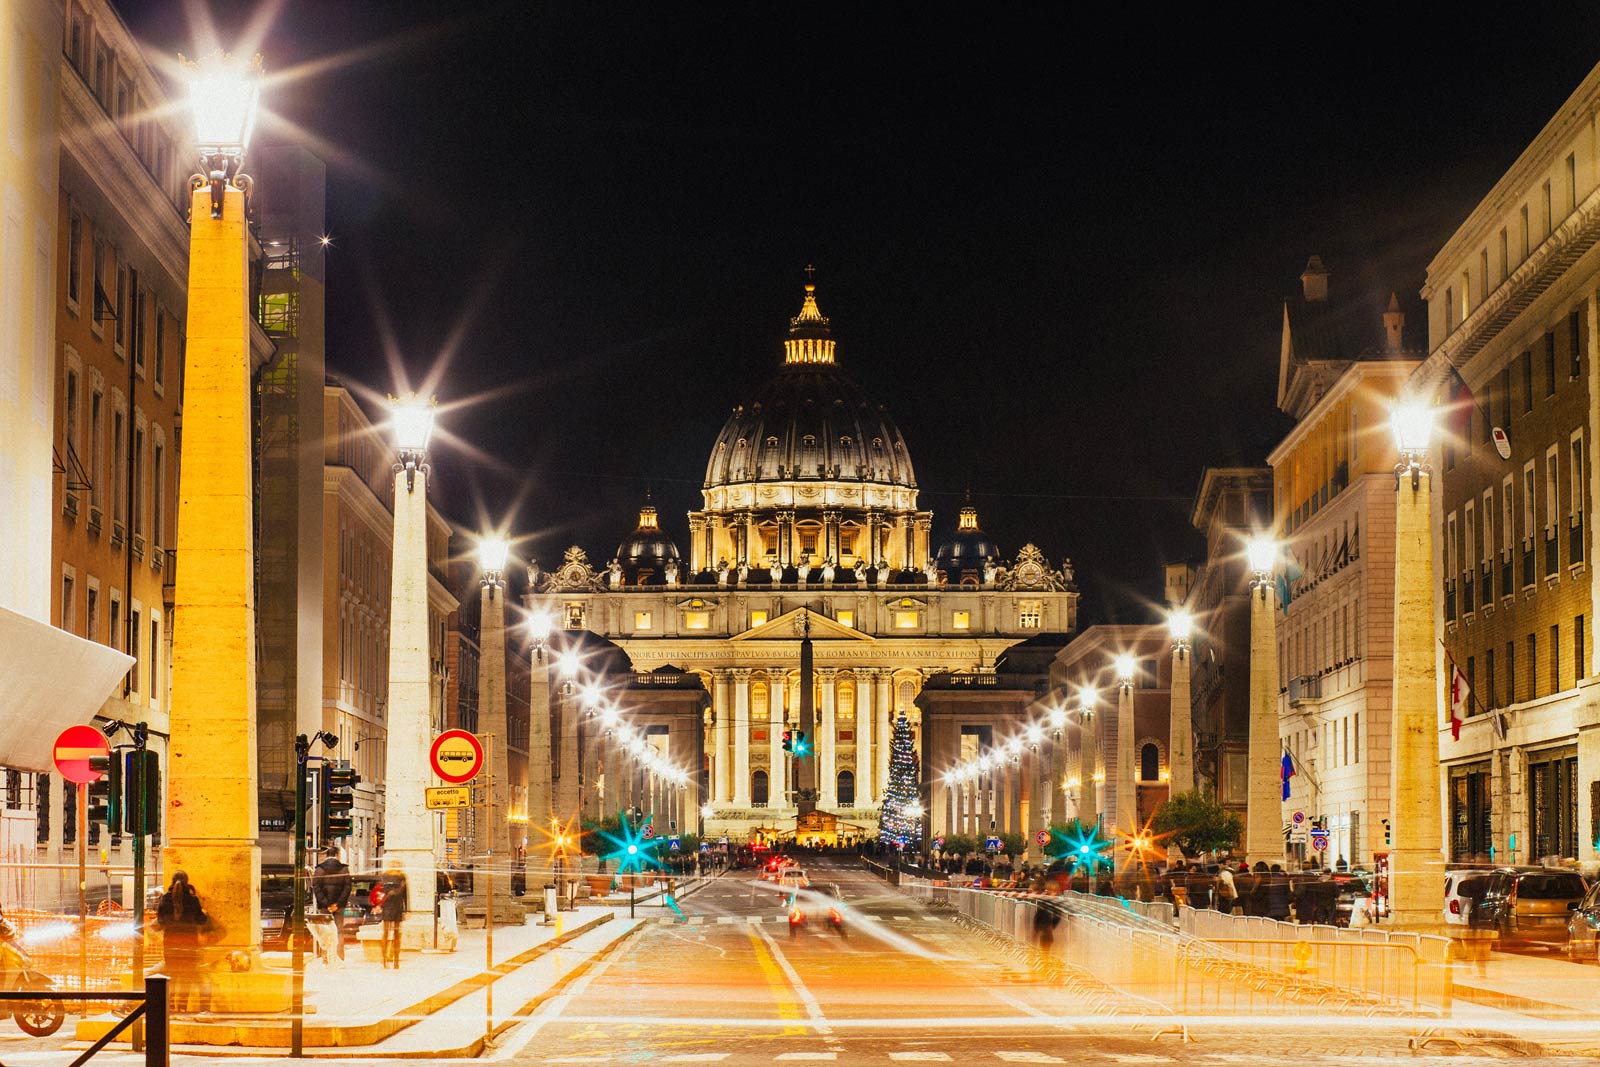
(73, 749)
(457, 756)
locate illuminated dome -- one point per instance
(810, 422)
(970, 549)
(645, 553)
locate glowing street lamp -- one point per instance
(492, 552)
(223, 93)
(412, 421)
(1262, 553)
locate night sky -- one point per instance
(1055, 245)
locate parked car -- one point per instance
(1583, 928)
(1529, 905)
(277, 904)
(1462, 892)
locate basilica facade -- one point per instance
(809, 523)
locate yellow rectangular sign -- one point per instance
(450, 796)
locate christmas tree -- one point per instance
(900, 822)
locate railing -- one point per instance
(1506, 575)
(1575, 541)
(1305, 687)
(1552, 555)
(1528, 567)
(1466, 597)
(152, 1009)
(1449, 601)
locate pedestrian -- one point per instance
(183, 923)
(1045, 919)
(393, 911)
(1227, 890)
(330, 892)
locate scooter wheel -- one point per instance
(41, 1019)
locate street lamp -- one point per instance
(417, 422)
(1126, 805)
(1180, 761)
(212, 777)
(1416, 857)
(1264, 800)
(408, 826)
(223, 93)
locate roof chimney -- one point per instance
(1314, 280)
(1393, 321)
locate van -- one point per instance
(1529, 904)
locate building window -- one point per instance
(1549, 210)
(1527, 380)
(72, 425)
(845, 704)
(846, 618)
(574, 616)
(641, 620)
(157, 682)
(847, 789)
(133, 649)
(97, 448)
(697, 620)
(1511, 673)
(69, 601)
(758, 618)
(1550, 364)
(1552, 798)
(137, 504)
(1491, 696)
(91, 614)
(961, 620)
(1555, 658)
(1149, 762)
(157, 488)
(907, 620)
(161, 347)
(760, 703)
(1471, 811)
(119, 488)
(1533, 666)
(759, 789)
(1030, 613)
(1572, 182)
(74, 257)
(1449, 309)
(1580, 657)
(1574, 345)
(1505, 255)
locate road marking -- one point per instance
(813, 1009)
(696, 1057)
(902, 918)
(755, 919)
(924, 1057)
(726, 920)
(696, 920)
(806, 1056)
(578, 1059)
(1029, 1057)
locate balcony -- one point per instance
(1575, 541)
(1552, 554)
(1449, 601)
(1530, 576)
(1467, 603)
(1305, 689)
(69, 507)
(119, 533)
(138, 548)
(1506, 576)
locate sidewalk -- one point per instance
(361, 1004)
(1546, 1000)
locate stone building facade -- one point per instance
(809, 517)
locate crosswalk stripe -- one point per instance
(696, 920)
(922, 1057)
(812, 1056)
(755, 919)
(1029, 1057)
(696, 1057)
(726, 919)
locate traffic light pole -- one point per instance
(297, 921)
(141, 734)
(83, 887)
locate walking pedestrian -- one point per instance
(1227, 890)
(393, 911)
(183, 923)
(1045, 918)
(330, 891)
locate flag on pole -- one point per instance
(1286, 771)
(1460, 695)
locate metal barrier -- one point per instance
(152, 1009)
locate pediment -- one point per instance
(788, 627)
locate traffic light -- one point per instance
(788, 740)
(338, 797)
(105, 795)
(1388, 833)
(142, 792)
(801, 748)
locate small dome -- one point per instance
(970, 548)
(645, 553)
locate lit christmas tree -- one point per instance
(897, 825)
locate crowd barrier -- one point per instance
(1197, 962)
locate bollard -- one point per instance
(550, 907)
(157, 1044)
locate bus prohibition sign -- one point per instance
(1043, 837)
(457, 756)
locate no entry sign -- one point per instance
(73, 750)
(456, 756)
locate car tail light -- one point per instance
(795, 917)
(834, 915)
(1455, 907)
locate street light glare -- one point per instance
(412, 419)
(1087, 696)
(568, 663)
(539, 625)
(223, 93)
(1412, 422)
(1180, 624)
(1126, 666)
(1263, 554)
(492, 552)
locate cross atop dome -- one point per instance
(809, 340)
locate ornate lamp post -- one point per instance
(212, 781)
(1416, 858)
(408, 825)
(492, 552)
(1088, 757)
(1127, 802)
(1180, 758)
(1264, 804)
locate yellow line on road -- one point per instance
(782, 992)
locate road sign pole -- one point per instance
(83, 887)
(488, 893)
(297, 921)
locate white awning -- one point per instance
(49, 680)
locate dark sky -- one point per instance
(1055, 243)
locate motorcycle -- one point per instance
(38, 1018)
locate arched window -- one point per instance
(847, 789)
(759, 703)
(908, 693)
(845, 703)
(1149, 763)
(758, 789)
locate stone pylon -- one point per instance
(1127, 812)
(211, 777)
(1180, 754)
(407, 823)
(1263, 832)
(1416, 856)
(495, 839)
(1088, 766)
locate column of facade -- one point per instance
(721, 736)
(865, 791)
(830, 535)
(923, 533)
(883, 705)
(741, 737)
(697, 533)
(1088, 761)
(777, 722)
(826, 747)
(906, 531)
(786, 538)
(871, 554)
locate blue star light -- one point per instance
(632, 851)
